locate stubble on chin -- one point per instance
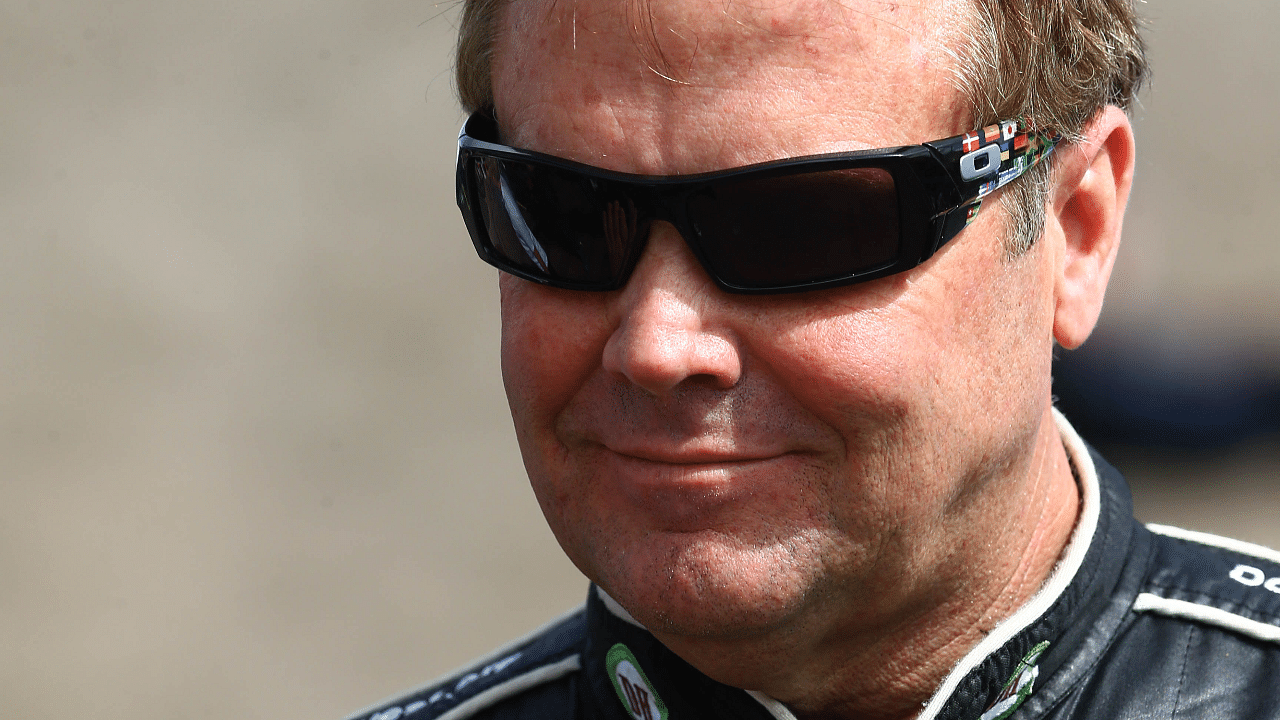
(710, 584)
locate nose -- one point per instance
(670, 324)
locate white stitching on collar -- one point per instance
(616, 609)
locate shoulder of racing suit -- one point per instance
(1200, 640)
(531, 677)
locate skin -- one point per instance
(828, 497)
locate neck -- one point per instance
(888, 665)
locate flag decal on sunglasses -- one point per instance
(1002, 150)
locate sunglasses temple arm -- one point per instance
(981, 162)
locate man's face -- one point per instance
(725, 465)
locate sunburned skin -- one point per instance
(829, 496)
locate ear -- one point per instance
(1090, 189)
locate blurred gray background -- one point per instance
(256, 457)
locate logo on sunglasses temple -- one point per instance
(980, 163)
(1003, 151)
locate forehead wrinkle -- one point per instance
(802, 35)
(675, 32)
(600, 79)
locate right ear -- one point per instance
(1090, 190)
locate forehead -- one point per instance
(688, 85)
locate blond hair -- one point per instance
(1055, 63)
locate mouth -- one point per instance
(693, 458)
(687, 490)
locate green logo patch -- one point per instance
(1019, 687)
(633, 686)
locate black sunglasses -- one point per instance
(783, 226)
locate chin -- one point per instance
(708, 584)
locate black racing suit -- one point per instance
(1136, 622)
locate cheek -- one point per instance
(552, 342)
(1005, 326)
(869, 363)
(551, 347)
(934, 360)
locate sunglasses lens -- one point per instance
(553, 224)
(754, 231)
(797, 229)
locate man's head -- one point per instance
(801, 467)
